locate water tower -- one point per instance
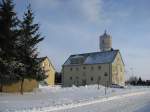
(105, 42)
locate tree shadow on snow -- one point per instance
(145, 108)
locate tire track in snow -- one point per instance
(85, 103)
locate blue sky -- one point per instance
(74, 26)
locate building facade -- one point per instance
(49, 71)
(105, 67)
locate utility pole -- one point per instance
(105, 82)
(98, 82)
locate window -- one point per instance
(84, 67)
(77, 69)
(99, 67)
(70, 78)
(92, 79)
(70, 69)
(105, 74)
(121, 69)
(49, 64)
(92, 68)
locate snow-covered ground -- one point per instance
(58, 99)
(127, 103)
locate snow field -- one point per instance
(52, 98)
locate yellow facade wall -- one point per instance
(28, 86)
(50, 71)
(118, 71)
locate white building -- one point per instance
(105, 67)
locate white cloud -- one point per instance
(90, 10)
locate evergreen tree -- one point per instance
(29, 39)
(139, 82)
(133, 80)
(9, 65)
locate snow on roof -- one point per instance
(41, 59)
(94, 58)
(78, 56)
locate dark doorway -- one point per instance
(83, 82)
